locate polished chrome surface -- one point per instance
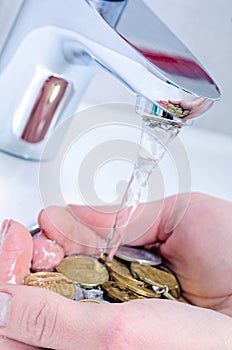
(8, 14)
(124, 37)
(46, 104)
(109, 10)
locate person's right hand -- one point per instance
(198, 249)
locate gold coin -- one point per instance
(117, 268)
(133, 286)
(118, 293)
(122, 275)
(84, 270)
(56, 282)
(94, 301)
(156, 277)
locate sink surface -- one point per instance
(205, 166)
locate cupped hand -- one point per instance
(45, 319)
(197, 247)
(198, 250)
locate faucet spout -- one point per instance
(156, 65)
(47, 62)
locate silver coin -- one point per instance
(136, 254)
(79, 292)
(93, 293)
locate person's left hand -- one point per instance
(15, 261)
(10, 344)
(45, 319)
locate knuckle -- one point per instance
(39, 323)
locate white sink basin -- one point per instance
(205, 167)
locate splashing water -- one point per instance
(155, 137)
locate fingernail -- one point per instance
(4, 229)
(4, 308)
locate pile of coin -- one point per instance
(177, 109)
(132, 274)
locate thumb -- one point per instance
(78, 228)
(150, 222)
(41, 318)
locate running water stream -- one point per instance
(155, 137)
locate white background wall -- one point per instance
(205, 26)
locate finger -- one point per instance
(96, 217)
(147, 225)
(41, 318)
(45, 319)
(151, 222)
(75, 238)
(80, 227)
(10, 344)
(15, 252)
(47, 254)
(76, 226)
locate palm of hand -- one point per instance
(199, 253)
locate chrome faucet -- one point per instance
(54, 48)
